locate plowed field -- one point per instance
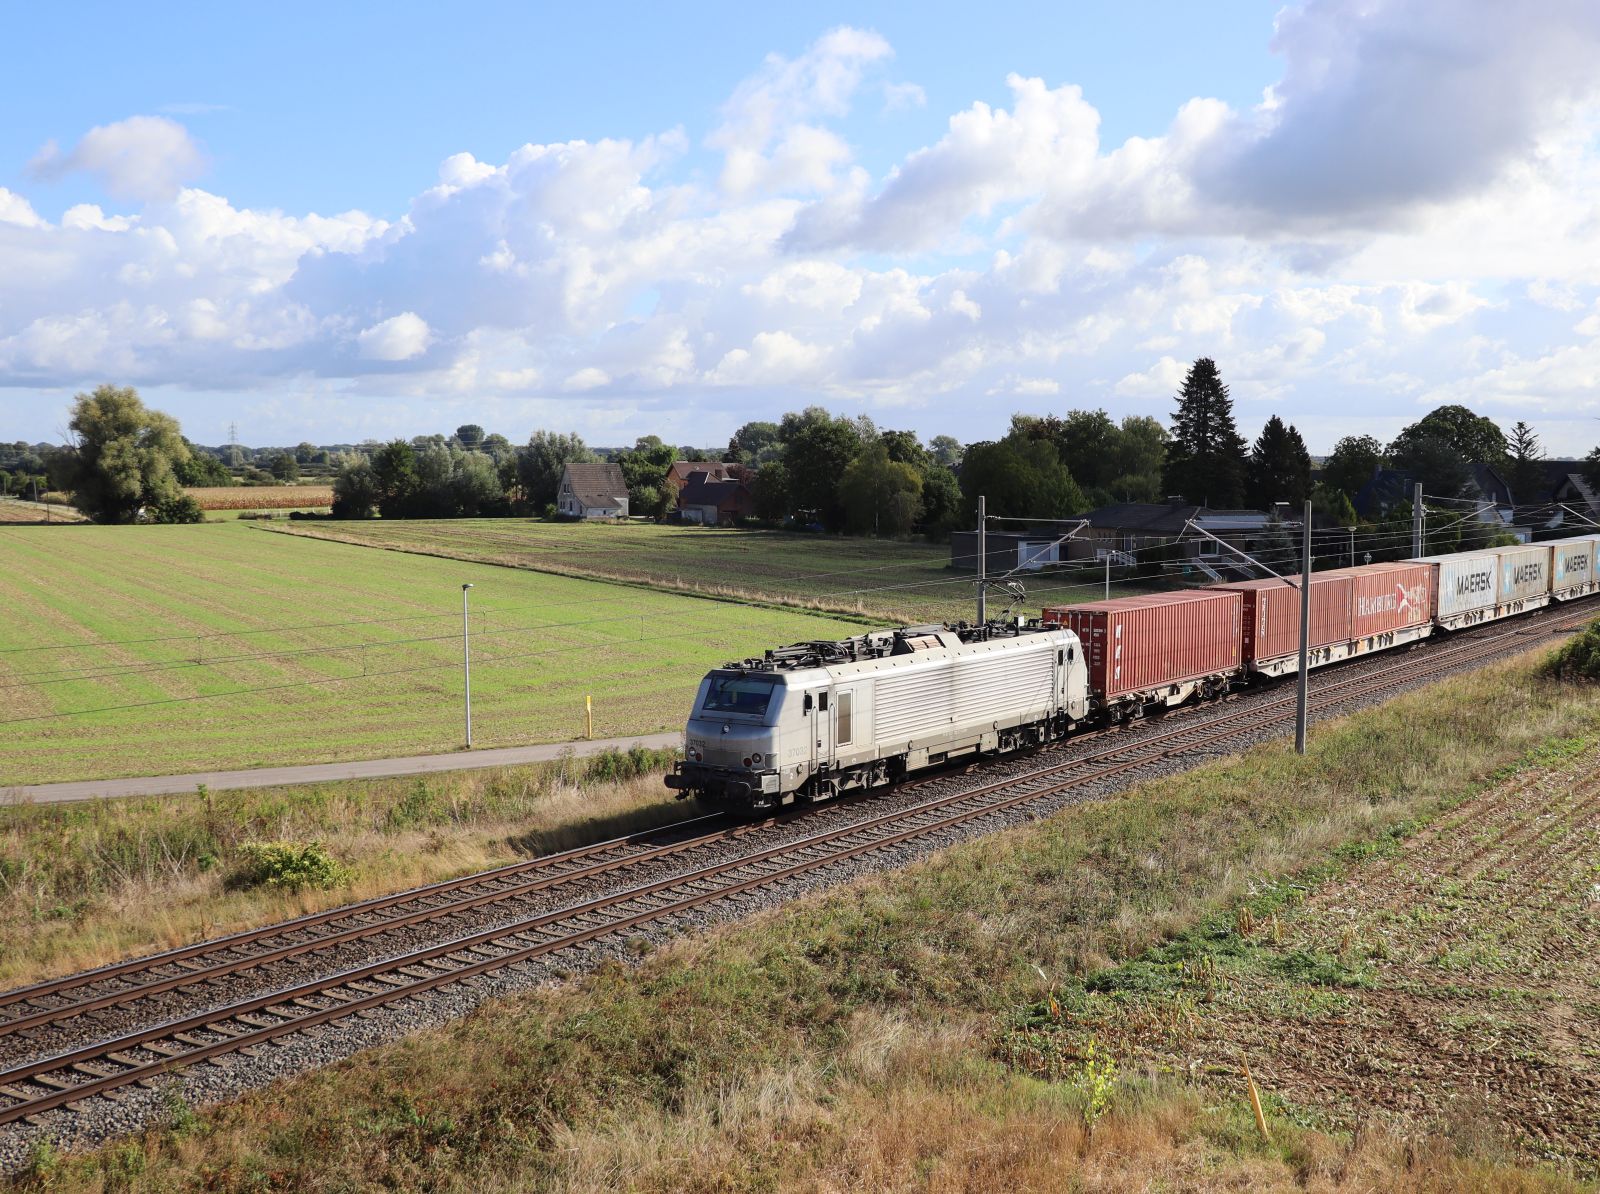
(1455, 980)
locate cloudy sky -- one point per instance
(335, 222)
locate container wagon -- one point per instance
(1390, 604)
(1524, 578)
(1157, 650)
(1464, 588)
(1271, 612)
(1572, 567)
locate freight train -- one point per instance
(810, 721)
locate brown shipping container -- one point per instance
(1272, 614)
(1388, 597)
(1136, 644)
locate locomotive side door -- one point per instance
(822, 733)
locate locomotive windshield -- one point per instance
(739, 694)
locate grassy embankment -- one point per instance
(353, 653)
(87, 883)
(890, 581)
(927, 1030)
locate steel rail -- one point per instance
(342, 912)
(307, 1014)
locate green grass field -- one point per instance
(110, 634)
(893, 581)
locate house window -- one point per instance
(843, 733)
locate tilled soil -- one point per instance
(1456, 984)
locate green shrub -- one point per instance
(289, 866)
(1578, 658)
(179, 509)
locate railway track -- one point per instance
(105, 1066)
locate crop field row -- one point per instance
(893, 581)
(263, 497)
(154, 650)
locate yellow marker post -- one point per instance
(588, 717)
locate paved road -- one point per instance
(264, 777)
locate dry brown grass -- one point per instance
(15, 510)
(262, 497)
(84, 885)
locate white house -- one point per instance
(592, 491)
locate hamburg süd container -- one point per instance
(1464, 586)
(1272, 614)
(1140, 646)
(1572, 567)
(1524, 573)
(1386, 598)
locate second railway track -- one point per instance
(106, 1065)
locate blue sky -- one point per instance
(347, 221)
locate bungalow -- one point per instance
(592, 491)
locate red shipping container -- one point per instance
(1272, 614)
(1139, 644)
(1388, 597)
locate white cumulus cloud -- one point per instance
(398, 338)
(142, 157)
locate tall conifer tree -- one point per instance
(1525, 466)
(1280, 467)
(1205, 460)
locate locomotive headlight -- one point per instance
(756, 758)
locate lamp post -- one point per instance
(466, 662)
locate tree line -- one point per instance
(813, 467)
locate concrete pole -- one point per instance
(466, 662)
(1416, 521)
(983, 560)
(1300, 704)
(1108, 576)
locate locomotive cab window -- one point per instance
(842, 732)
(739, 694)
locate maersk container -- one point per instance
(1386, 598)
(1144, 644)
(1572, 565)
(1524, 573)
(1464, 585)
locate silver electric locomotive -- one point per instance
(810, 721)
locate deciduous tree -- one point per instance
(123, 455)
(1021, 477)
(880, 495)
(1474, 438)
(1352, 463)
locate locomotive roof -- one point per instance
(877, 644)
